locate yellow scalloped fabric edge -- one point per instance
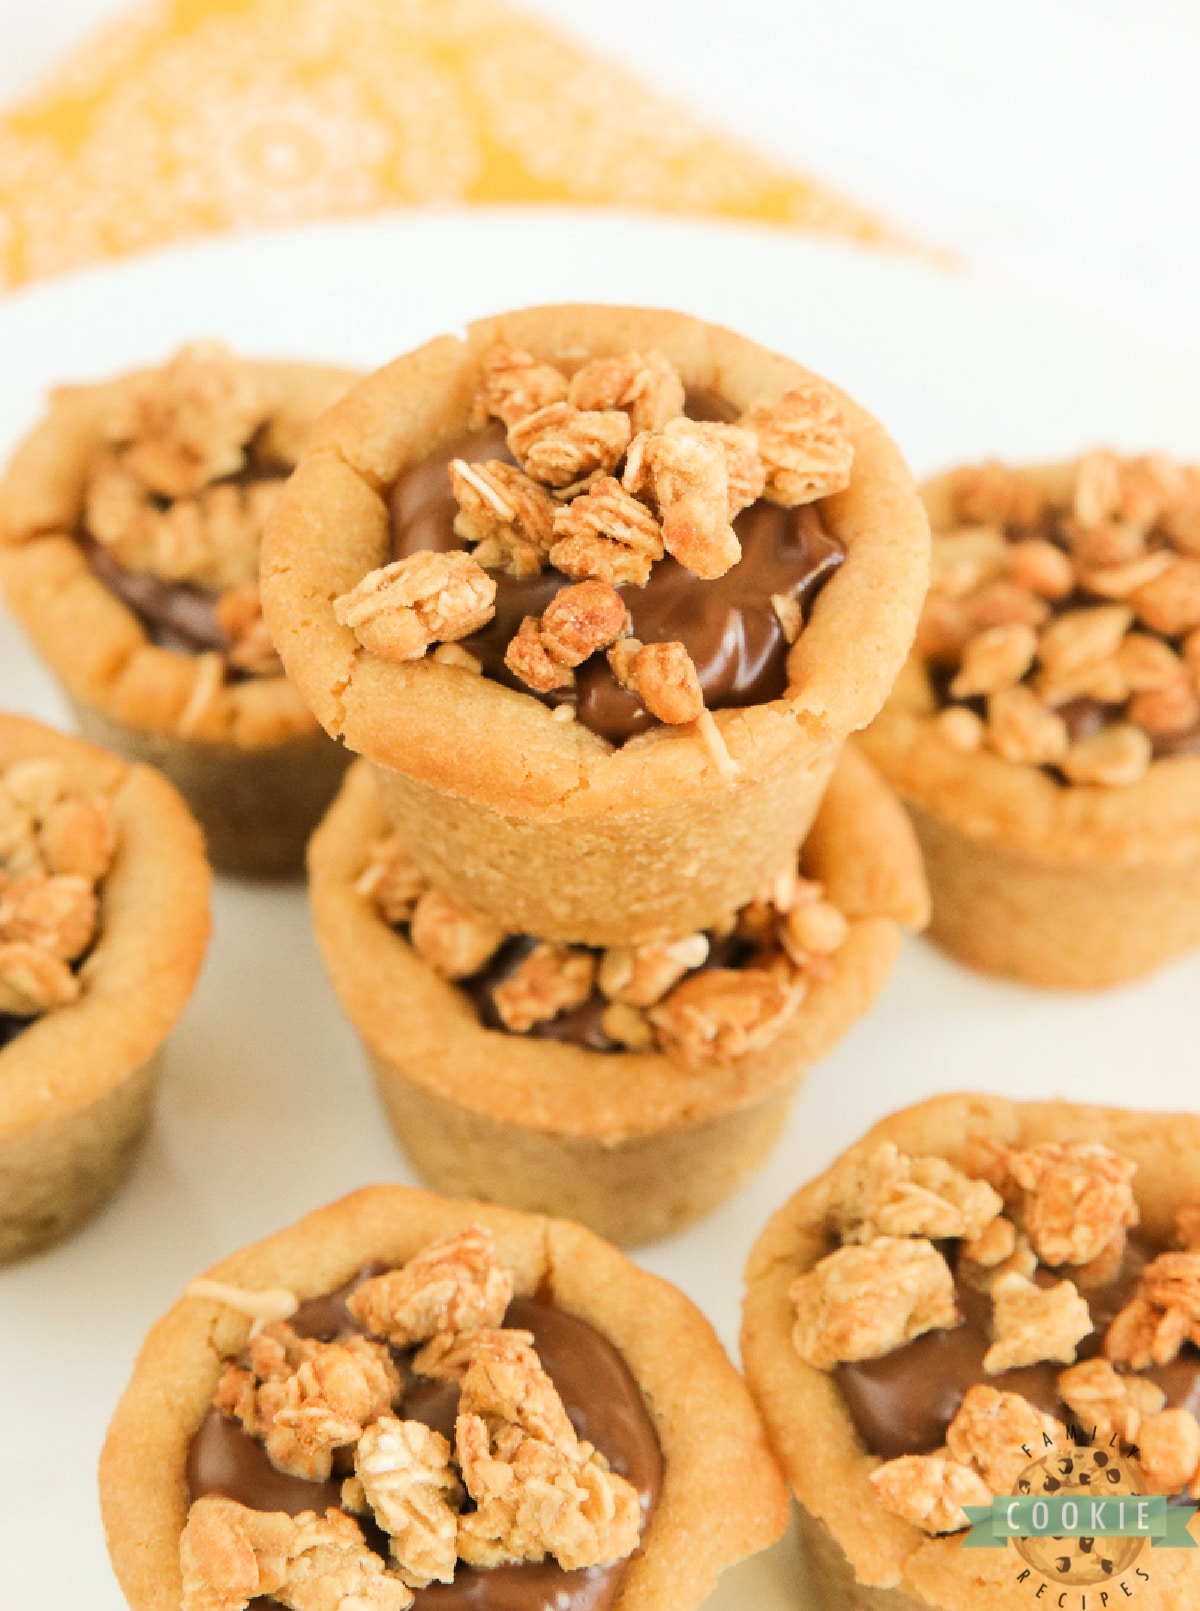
(186, 118)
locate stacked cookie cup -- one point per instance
(598, 595)
(130, 523)
(1046, 732)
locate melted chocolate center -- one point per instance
(174, 615)
(903, 1403)
(728, 626)
(600, 1395)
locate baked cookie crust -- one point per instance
(862, 1556)
(1066, 887)
(629, 1143)
(722, 1496)
(535, 822)
(76, 1085)
(236, 752)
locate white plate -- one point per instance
(267, 1110)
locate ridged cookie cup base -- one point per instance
(617, 878)
(59, 1175)
(257, 807)
(633, 1144)
(77, 1084)
(722, 1496)
(1055, 924)
(630, 1192)
(861, 1556)
(585, 841)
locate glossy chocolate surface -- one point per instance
(728, 626)
(10, 1027)
(174, 615)
(601, 1397)
(903, 1403)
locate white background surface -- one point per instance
(266, 1109)
(1056, 140)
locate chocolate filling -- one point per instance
(903, 1403)
(175, 615)
(601, 1397)
(728, 626)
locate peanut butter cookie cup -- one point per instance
(438, 1404)
(1046, 732)
(130, 522)
(633, 1088)
(976, 1285)
(103, 926)
(600, 592)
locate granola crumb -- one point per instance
(1114, 757)
(454, 942)
(392, 880)
(456, 1285)
(628, 1027)
(865, 1300)
(887, 1193)
(230, 1555)
(665, 679)
(687, 477)
(560, 445)
(187, 423)
(1077, 1198)
(1169, 1450)
(552, 979)
(415, 1496)
(608, 535)
(399, 610)
(515, 385)
(961, 728)
(929, 1490)
(538, 1489)
(509, 516)
(647, 387)
(1109, 1405)
(1033, 1323)
(305, 1398)
(992, 1431)
(804, 444)
(640, 976)
(720, 1015)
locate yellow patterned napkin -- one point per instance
(189, 117)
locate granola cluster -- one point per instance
(611, 475)
(913, 1231)
(517, 1484)
(705, 1000)
(1067, 635)
(55, 848)
(183, 489)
